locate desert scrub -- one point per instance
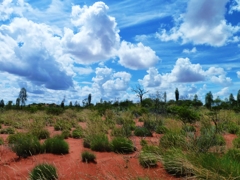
(232, 128)
(99, 142)
(122, 145)
(8, 130)
(142, 132)
(124, 131)
(1, 141)
(161, 129)
(44, 171)
(147, 160)
(66, 134)
(233, 154)
(24, 144)
(188, 128)
(40, 133)
(88, 157)
(173, 139)
(56, 145)
(62, 125)
(236, 142)
(77, 133)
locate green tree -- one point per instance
(23, 96)
(176, 94)
(140, 92)
(89, 99)
(238, 98)
(231, 100)
(165, 97)
(2, 103)
(70, 104)
(209, 100)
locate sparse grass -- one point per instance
(122, 145)
(44, 171)
(88, 157)
(77, 133)
(142, 132)
(56, 145)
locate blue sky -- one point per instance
(71, 48)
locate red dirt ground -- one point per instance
(109, 165)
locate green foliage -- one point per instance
(41, 133)
(161, 130)
(1, 141)
(8, 130)
(233, 128)
(186, 115)
(44, 171)
(151, 123)
(65, 134)
(124, 131)
(173, 140)
(188, 128)
(147, 160)
(122, 145)
(142, 132)
(236, 142)
(24, 144)
(143, 142)
(77, 133)
(233, 154)
(62, 125)
(88, 157)
(56, 145)
(54, 110)
(99, 142)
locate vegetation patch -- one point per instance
(44, 171)
(88, 157)
(122, 145)
(56, 145)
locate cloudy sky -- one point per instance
(72, 48)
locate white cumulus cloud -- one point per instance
(238, 74)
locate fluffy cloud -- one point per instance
(238, 74)
(152, 79)
(136, 56)
(235, 6)
(203, 23)
(188, 51)
(97, 36)
(30, 51)
(111, 84)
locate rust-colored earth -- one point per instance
(108, 166)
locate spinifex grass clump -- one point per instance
(65, 134)
(41, 133)
(88, 157)
(8, 130)
(24, 144)
(77, 133)
(56, 145)
(99, 142)
(122, 145)
(1, 141)
(62, 125)
(142, 132)
(161, 129)
(44, 172)
(173, 139)
(148, 160)
(124, 131)
(236, 142)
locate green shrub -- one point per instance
(124, 131)
(119, 120)
(122, 145)
(86, 143)
(151, 124)
(1, 141)
(24, 144)
(147, 160)
(54, 110)
(99, 142)
(62, 125)
(56, 145)
(41, 133)
(233, 154)
(8, 130)
(77, 133)
(143, 142)
(176, 163)
(65, 134)
(233, 128)
(142, 132)
(173, 139)
(88, 157)
(161, 129)
(188, 128)
(44, 172)
(236, 142)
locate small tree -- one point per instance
(231, 100)
(176, 94)
(2, 103)
(70, 104)
(238, 98)
(89, 99)
(209, 100)
(23, 96)
(140, 92)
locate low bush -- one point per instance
(188, 128)
(147, 160)
(161, 129)
(54, 110)
(24, 144)
(61, 125)
(1, 141)
(65, 134)
(56, 145)
(44, 172)
(173, 140)
(122, 145)
(41, 133)
(233, 154)
(88, 157)
(99, 142)
(77, 133)
(8, 130)
(236, 142)
(142, 132)
(124, 131)
(233, 128)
